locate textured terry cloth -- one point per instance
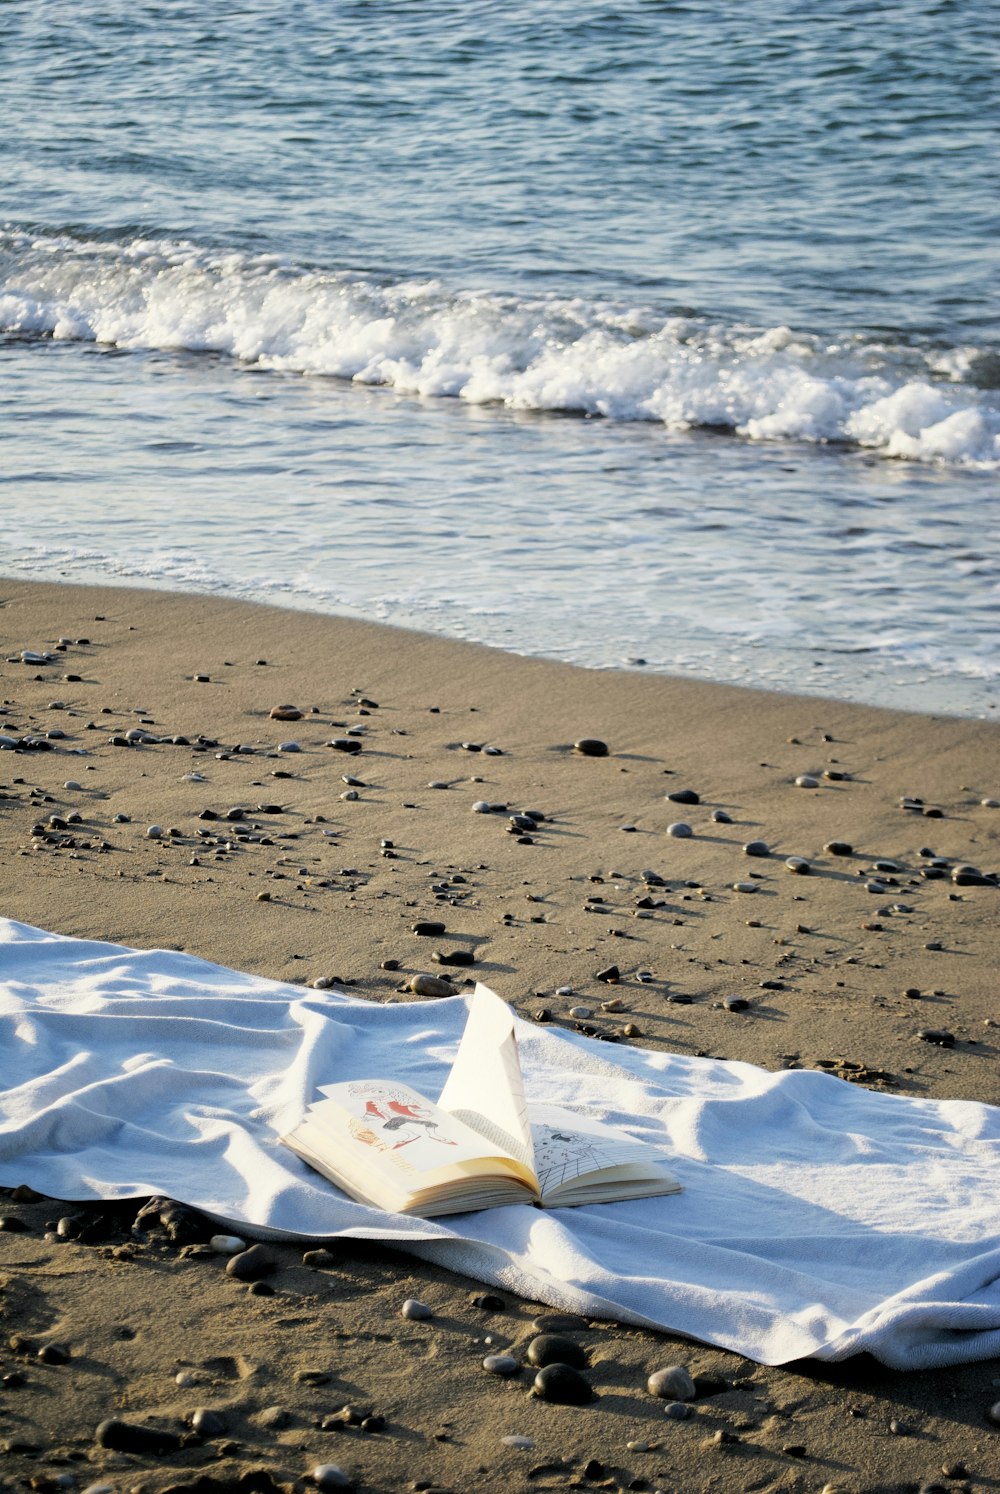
(818, 1219)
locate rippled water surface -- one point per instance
(663, 332)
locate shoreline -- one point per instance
(306, 884)
(976, 705)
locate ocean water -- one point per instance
(664, 332)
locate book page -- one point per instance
(395, 1125)
(569, 1146)
(485, 1088)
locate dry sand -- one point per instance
(328, 888)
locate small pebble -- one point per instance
(744, 886)
(53, 1354)
(501, 1364)
(756, 848)
(207, 1423)
(939, 1036)
(678, 1410)
(993, 1414)
(285, 713)
(330, 1476)
(134, 1437)
(249, 1265)
(798, 865)
(431, 985)
(558, 1322)
(415, 1310)
(453, 957)
(515, 1440)
(838, 848)
(684, 796)
(591, 747)
(735, 1003)
(227, 1244)
(673, 1383)
(721, 817)
(563, 1385)
(155, 832)
(481, 807)
(805, 780)
(71, 784)
(581, 1013)
(552, 1348)
(679, 830)
(319, 1259)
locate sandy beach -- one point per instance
(171, 783)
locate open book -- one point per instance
(481, 1146)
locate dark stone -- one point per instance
(552, 1348)
(938, 1035)
(12, 1225)
(183, 1226)
(345, 744)
(594, 1469)
(428, 928)
(454, 957)
(735, 1003)
(488, 1302)
(684, 796)
(207, 1423)
(260, 1289)
(610, 974)
(53, 1354)
(563, 1385)
(251, 1264)
(133, 1437)
(591, 747)
(756, 848)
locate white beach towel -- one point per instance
(818, 1219)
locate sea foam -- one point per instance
(595, 358)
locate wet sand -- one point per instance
(841, 965)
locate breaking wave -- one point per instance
(546, 353)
